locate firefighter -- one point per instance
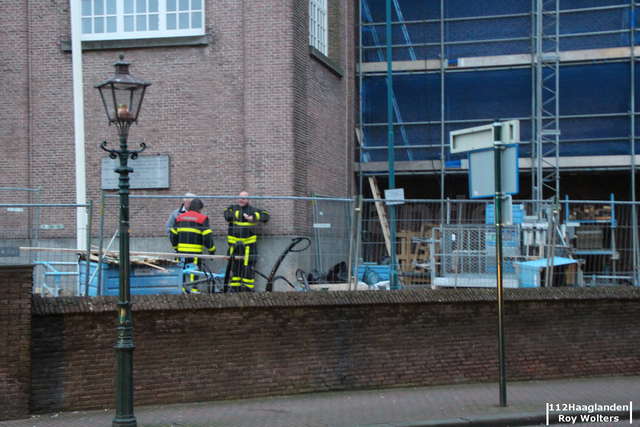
(184, 207)
(242, 241)
(192, 233)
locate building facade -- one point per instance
(245, 95)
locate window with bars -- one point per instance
(139, 19)
(318, 25)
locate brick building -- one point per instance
(239, 97)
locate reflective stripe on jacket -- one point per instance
(239, 227)
(192, 233)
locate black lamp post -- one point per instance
(122, 96)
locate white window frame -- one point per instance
(318, 27)
(162, 32)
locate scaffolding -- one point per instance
(546, 61)
(566, 70)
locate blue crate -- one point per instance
(143, 280)
(384, 271)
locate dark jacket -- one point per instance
(191, 233)
(239, 227)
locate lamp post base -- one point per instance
(126, 421)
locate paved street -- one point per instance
(457, 405)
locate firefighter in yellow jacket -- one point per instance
(242, 241)
(192, 233)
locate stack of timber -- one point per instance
(113, 258)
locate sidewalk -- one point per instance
(457, 405)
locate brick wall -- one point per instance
(208, 347)
(14, 107)
(223, 112)
(325, 105)
(15, 339)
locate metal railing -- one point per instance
(438, 243)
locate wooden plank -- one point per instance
(501, 60)
(382, 215)
(163, 255)
(404, 257)
(384, 222)
(149, 264)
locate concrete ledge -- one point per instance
(69, 305)
(65, 44)
(603, 54)
(324, 60)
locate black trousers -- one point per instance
(242, 274)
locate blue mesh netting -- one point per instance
(488, 95)
(582, 4)
(595, 89)
(477, 97)
(421, 26)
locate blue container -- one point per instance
(384, 271)
(143, 280)
(530, 271)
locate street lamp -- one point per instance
(122, 96)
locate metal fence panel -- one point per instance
(326, 222)
(46, 236)
(586, 243)
(62, 270)
(438, 242)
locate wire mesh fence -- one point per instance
(325, 223)
(438, 243)
(303, 236)
(452, 243)
(46, 236)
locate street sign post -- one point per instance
(482, 171)
(481, 137)
(493, 148)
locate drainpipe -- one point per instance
(78, 116)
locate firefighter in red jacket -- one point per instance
(242, 241)
(192, 233)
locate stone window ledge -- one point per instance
(324, 60)
(65, 44)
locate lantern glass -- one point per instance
(122, 94)
(122, 102)
(127, 100)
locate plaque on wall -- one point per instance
(148, 172)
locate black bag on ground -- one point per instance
(316, 278)
(338, 273)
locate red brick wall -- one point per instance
(325, 105)
(15, 339)
(228, 114)
(14, 100)
(207, 347)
